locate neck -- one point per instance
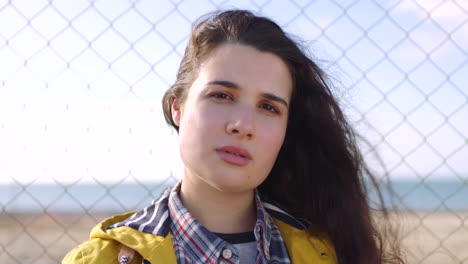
(219, 211)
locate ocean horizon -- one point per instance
(410, 195)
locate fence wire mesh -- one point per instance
(82, 134)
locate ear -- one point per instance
(176, 111)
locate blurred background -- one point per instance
(82, 134)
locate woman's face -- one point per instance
(233, 121)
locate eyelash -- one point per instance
(220, 95)
(271, 109)
(266, 106)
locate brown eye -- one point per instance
(221, 96)
(269, 108)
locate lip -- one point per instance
(234, 155)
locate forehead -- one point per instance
(247, 67)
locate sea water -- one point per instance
(441, 195)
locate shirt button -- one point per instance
(227, 253)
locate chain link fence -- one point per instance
(82, 134)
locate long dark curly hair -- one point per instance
(319, 174)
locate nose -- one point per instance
(242, 124)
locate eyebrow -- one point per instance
(231, 85)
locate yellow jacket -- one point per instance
(104, 246)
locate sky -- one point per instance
(81, 83)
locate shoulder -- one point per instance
(307, 245)
(96, 250)
(106, 243)
(305, 242)
(100, 248)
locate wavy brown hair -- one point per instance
(319, 174)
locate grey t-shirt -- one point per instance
(247, 252)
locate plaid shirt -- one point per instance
(193, 243)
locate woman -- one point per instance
(272, 172)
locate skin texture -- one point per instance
(239, 98)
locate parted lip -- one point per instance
(236, 150)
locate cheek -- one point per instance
(197, 125)
(269, 146)
(272, 138)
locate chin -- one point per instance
(231, 186)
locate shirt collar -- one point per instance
(157, 219)
(263, 226)
(187, 230)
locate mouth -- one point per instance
(234, 155)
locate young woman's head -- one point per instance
(247, 95)
(232, 95)
(250, 63)
(233, 119)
